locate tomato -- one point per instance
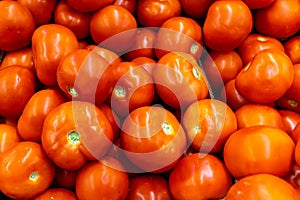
(9, 137)
(227, 19)
(130, 5)
(30, 123)
(76, 21)
(280, 20)
(21, 57)
(152, 138)
(75, 132)
(208, 123)
(261, 186)
(254, 43)
(146, 62)
(184, 35)
(295, 134)
(242, 156)
(257, 114)
(257, 4)
(292, 49)
(25, 171)
(89, 5)
(196, 8)
(56, 193)
(41, 10)
(257, 80)
(290, 119)
(148, 186)
(113, 20)
(50, 43)
(297, 152)
(293, 177)
(153, 13)
(179, 80)
(16, 26)
(65, 178)
(199, 176)
(102, 179)
(17, 85)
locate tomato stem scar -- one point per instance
(120, 91)
(292, 103)
(73, 137)
(167, 128)
(72, 91)
(33, 176)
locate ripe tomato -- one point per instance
(297, 152)
(196, 8)
(113, 20)
(130, 5)
(148, 63)
(184, 35)
(17, 85)
(153, 13)
(254, 43)
(295, 134)
(242, 156)
(292, 49)
(50, 43)
(30, 123)
(9, 137)
(41, 10)
(261, 186)
(280, 20)
(89, 5)
(227, 19)
(76, 21)
(256, 81)
(257, 114)
(16, 26)
(148, 186)
(199, 176)
(21, 57)
(179, 80)
(25, 171)
(208, 123)
(256, 4)
(290, 119)
(65, 178)
(56, 193)
(152, 138)
(102, 179)
(75, 132)
(293, 177)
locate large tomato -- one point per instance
(9, 137)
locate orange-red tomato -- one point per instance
(261, 186)
(226, 25)
(259, 149)
(89, 5)
(25, 171)
(21, 57)
(196, 8)
(199, 176)
(30, 123)
(208, 123)
(65, 178)
(297, 152)
(148, 63)
(256, 4)
(257, 80)
(292, 49)
(9, 137)
(56, 193)
(104, 179)
(16, 26)
(17, 85)
(290, 119)
(293, 177)
(295, 134)
(130, 5)
(50, 43)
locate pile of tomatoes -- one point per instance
(150, 99)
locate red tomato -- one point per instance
(102, 179)
(199, 176)
(76, 21)
(297, 152)
(16, 26)
(50, 43)
(25, 171)
(208, 123)
(153, 13)
(290, 119)
(261, 186)
(30, 123)
(280, 20)
(17, 85)
(56, 193)
(148, 186)
(152, 138)
(292, 49)
(293, 177)
(295, 134)
(196, 8)
(41, 10)
(130, 5)
(226, 25)
(148, 63)
(259, 149)
(65, 178)
(21, 57)
(256, 4)
(75, 132)
(89, 5)
(257, 80)
(9, 137)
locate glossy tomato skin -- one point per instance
(21, 57)
(254, 4)
(280, 20)
(290, 119)
(89, 5)
(293, 177)
(41, 103)
(50, 43)
(261, 186)
(227, 19)
(199, 176)
(148, 187)
(243, 158)
(72, 134)
(257, 80)
(130, 5)
(16, 26)
(195, 8)
(17, 87)
(56, 193)
(9, 137)
(297, 152)
(292, 49)
(25, 171)
(104, 179)
(147, 63)
(153, 13)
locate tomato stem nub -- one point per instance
(72, 91)
(120, 91)
(74, 138)
(33, 176)
(167, 128)
(292, 103)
